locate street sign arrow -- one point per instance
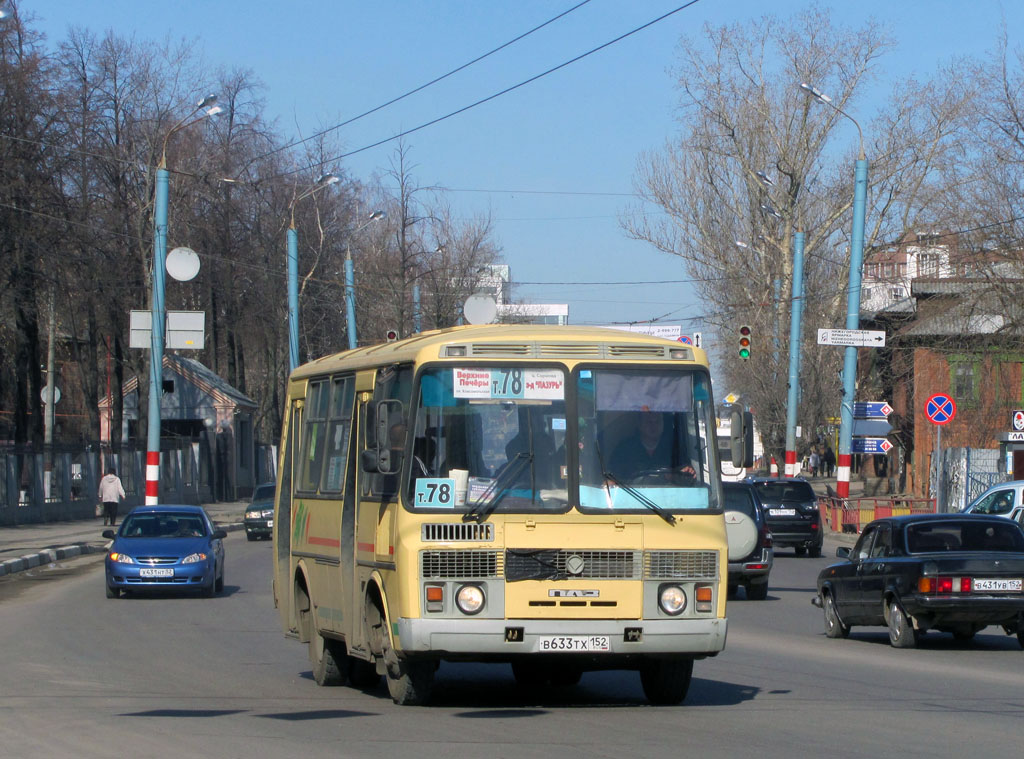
(858, 338)
(871, 410)
(869, 445)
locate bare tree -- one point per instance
(753, 165)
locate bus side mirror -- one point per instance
(741, 438)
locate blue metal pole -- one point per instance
(350, 300)
(156, 349)
(860, 192)
(416, 308)
(795, 316)
(293, 299)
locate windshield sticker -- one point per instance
(526, 384)
(621, 500)
(435, 492)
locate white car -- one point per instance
(1005, 499)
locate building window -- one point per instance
(928, 265)
(964, 381)
(872, 270)
(896, 292)
(901, 269)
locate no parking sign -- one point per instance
(940, 409)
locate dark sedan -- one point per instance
(160, 548)
(955, 573)
(259, 514)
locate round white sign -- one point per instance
(46, 396)
(182, 264)
(1018, 420)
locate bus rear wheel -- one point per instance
(329, 660)
(666, 681)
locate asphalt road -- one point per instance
(181, 677)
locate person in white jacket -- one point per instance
(111, 493)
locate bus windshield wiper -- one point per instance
(640, 497)
(498, 489)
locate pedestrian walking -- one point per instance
(815, 462)
(111, 493)
(829, 458)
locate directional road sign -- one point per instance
(940, 409)
(859, 338)
(869, 445)
(871, 428)
(872, 410)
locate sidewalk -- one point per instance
(26, 546)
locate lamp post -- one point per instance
(156, 349)
(795, 315)
(350, 287)
(860, 190)
(293, 272)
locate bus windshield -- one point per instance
(501, 439)
(646, 440)
(490, 439)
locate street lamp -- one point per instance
(350, 286)
(157, 314)
(293, 272)
(860, 191)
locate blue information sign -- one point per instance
(869, 445)
(871, 410)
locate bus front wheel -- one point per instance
(409, 681)
(666, 681)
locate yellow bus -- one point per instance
(549, 497)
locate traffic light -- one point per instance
(744, 342)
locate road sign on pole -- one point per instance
(858, 338)
(940, 409)
(872, 410)
(869, 445)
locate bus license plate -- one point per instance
(575, 643)
(1006, 585)
(153, 572)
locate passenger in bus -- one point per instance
(647, 450)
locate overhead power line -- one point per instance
(507, 90)
(428, 84)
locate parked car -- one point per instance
(164, 547)
(259, 514)
(1005, 499)
(792, 513)
(955, 573)
(750, 541)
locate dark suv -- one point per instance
(750, 541)
(791, 510)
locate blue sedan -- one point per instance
(165, 548)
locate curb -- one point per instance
(49, 555)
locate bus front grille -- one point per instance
(679, 565)
(452, 532)
(456, 564)
(565, 564)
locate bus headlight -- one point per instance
(470, 599)
(672, 600)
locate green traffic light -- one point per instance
(744, 353)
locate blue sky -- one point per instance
(553, 161)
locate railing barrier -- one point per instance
(852, 514)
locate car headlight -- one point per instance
(470, 599)
(252, 515)
(268, 513)
(192, 558)
(121, 558)
(672, 599)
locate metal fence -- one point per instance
(61, 485)
(960, 475)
